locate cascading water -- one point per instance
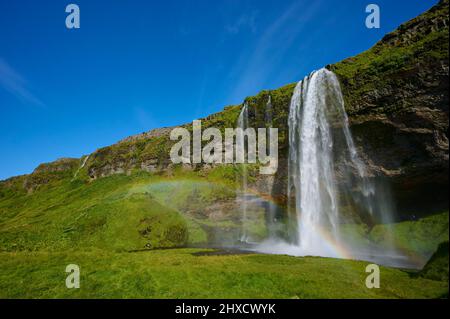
(269, 111)
(328, 184)
(272, 210)
(81, 167)
(311, 165)
(242, 123)
(326, 173)
(253, 207)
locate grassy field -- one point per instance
(104, 225)
(178, 273)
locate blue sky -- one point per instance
(136, 65)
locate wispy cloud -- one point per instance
(145, 120)
(246, 20)
(254, 68)
(14, 83)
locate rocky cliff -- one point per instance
(396, 95)
(397, 98)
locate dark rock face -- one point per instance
(410, 155)
(400, 117)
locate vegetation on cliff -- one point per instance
(417, 47)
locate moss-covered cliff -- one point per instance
(396, 96)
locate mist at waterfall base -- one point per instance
(329, 187)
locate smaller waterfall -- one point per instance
(272, 210)
(269, 112)
(81, 167)
(254, 208)
(242, 199)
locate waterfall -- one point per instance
(325, 170)
(333, 200)
(250, 205)
(81, 167)
(311, 165)
(272, 223)
(242, 123)
(269, 111)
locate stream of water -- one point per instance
(329, 186)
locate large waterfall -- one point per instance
(329, 186)
(312, 182)
(326, 174)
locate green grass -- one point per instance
(98, 224)
(119, 212)
(176, 273)
(103, 214)
(437, 266)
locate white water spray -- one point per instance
(269, 111)
(328, 183)
(311, 167)
(325, 170)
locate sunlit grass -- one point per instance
(176, 273)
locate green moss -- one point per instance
(280, 100)
(158, 148)
(420, 237)
(227, 118)
(437, 266)
(98, 214)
